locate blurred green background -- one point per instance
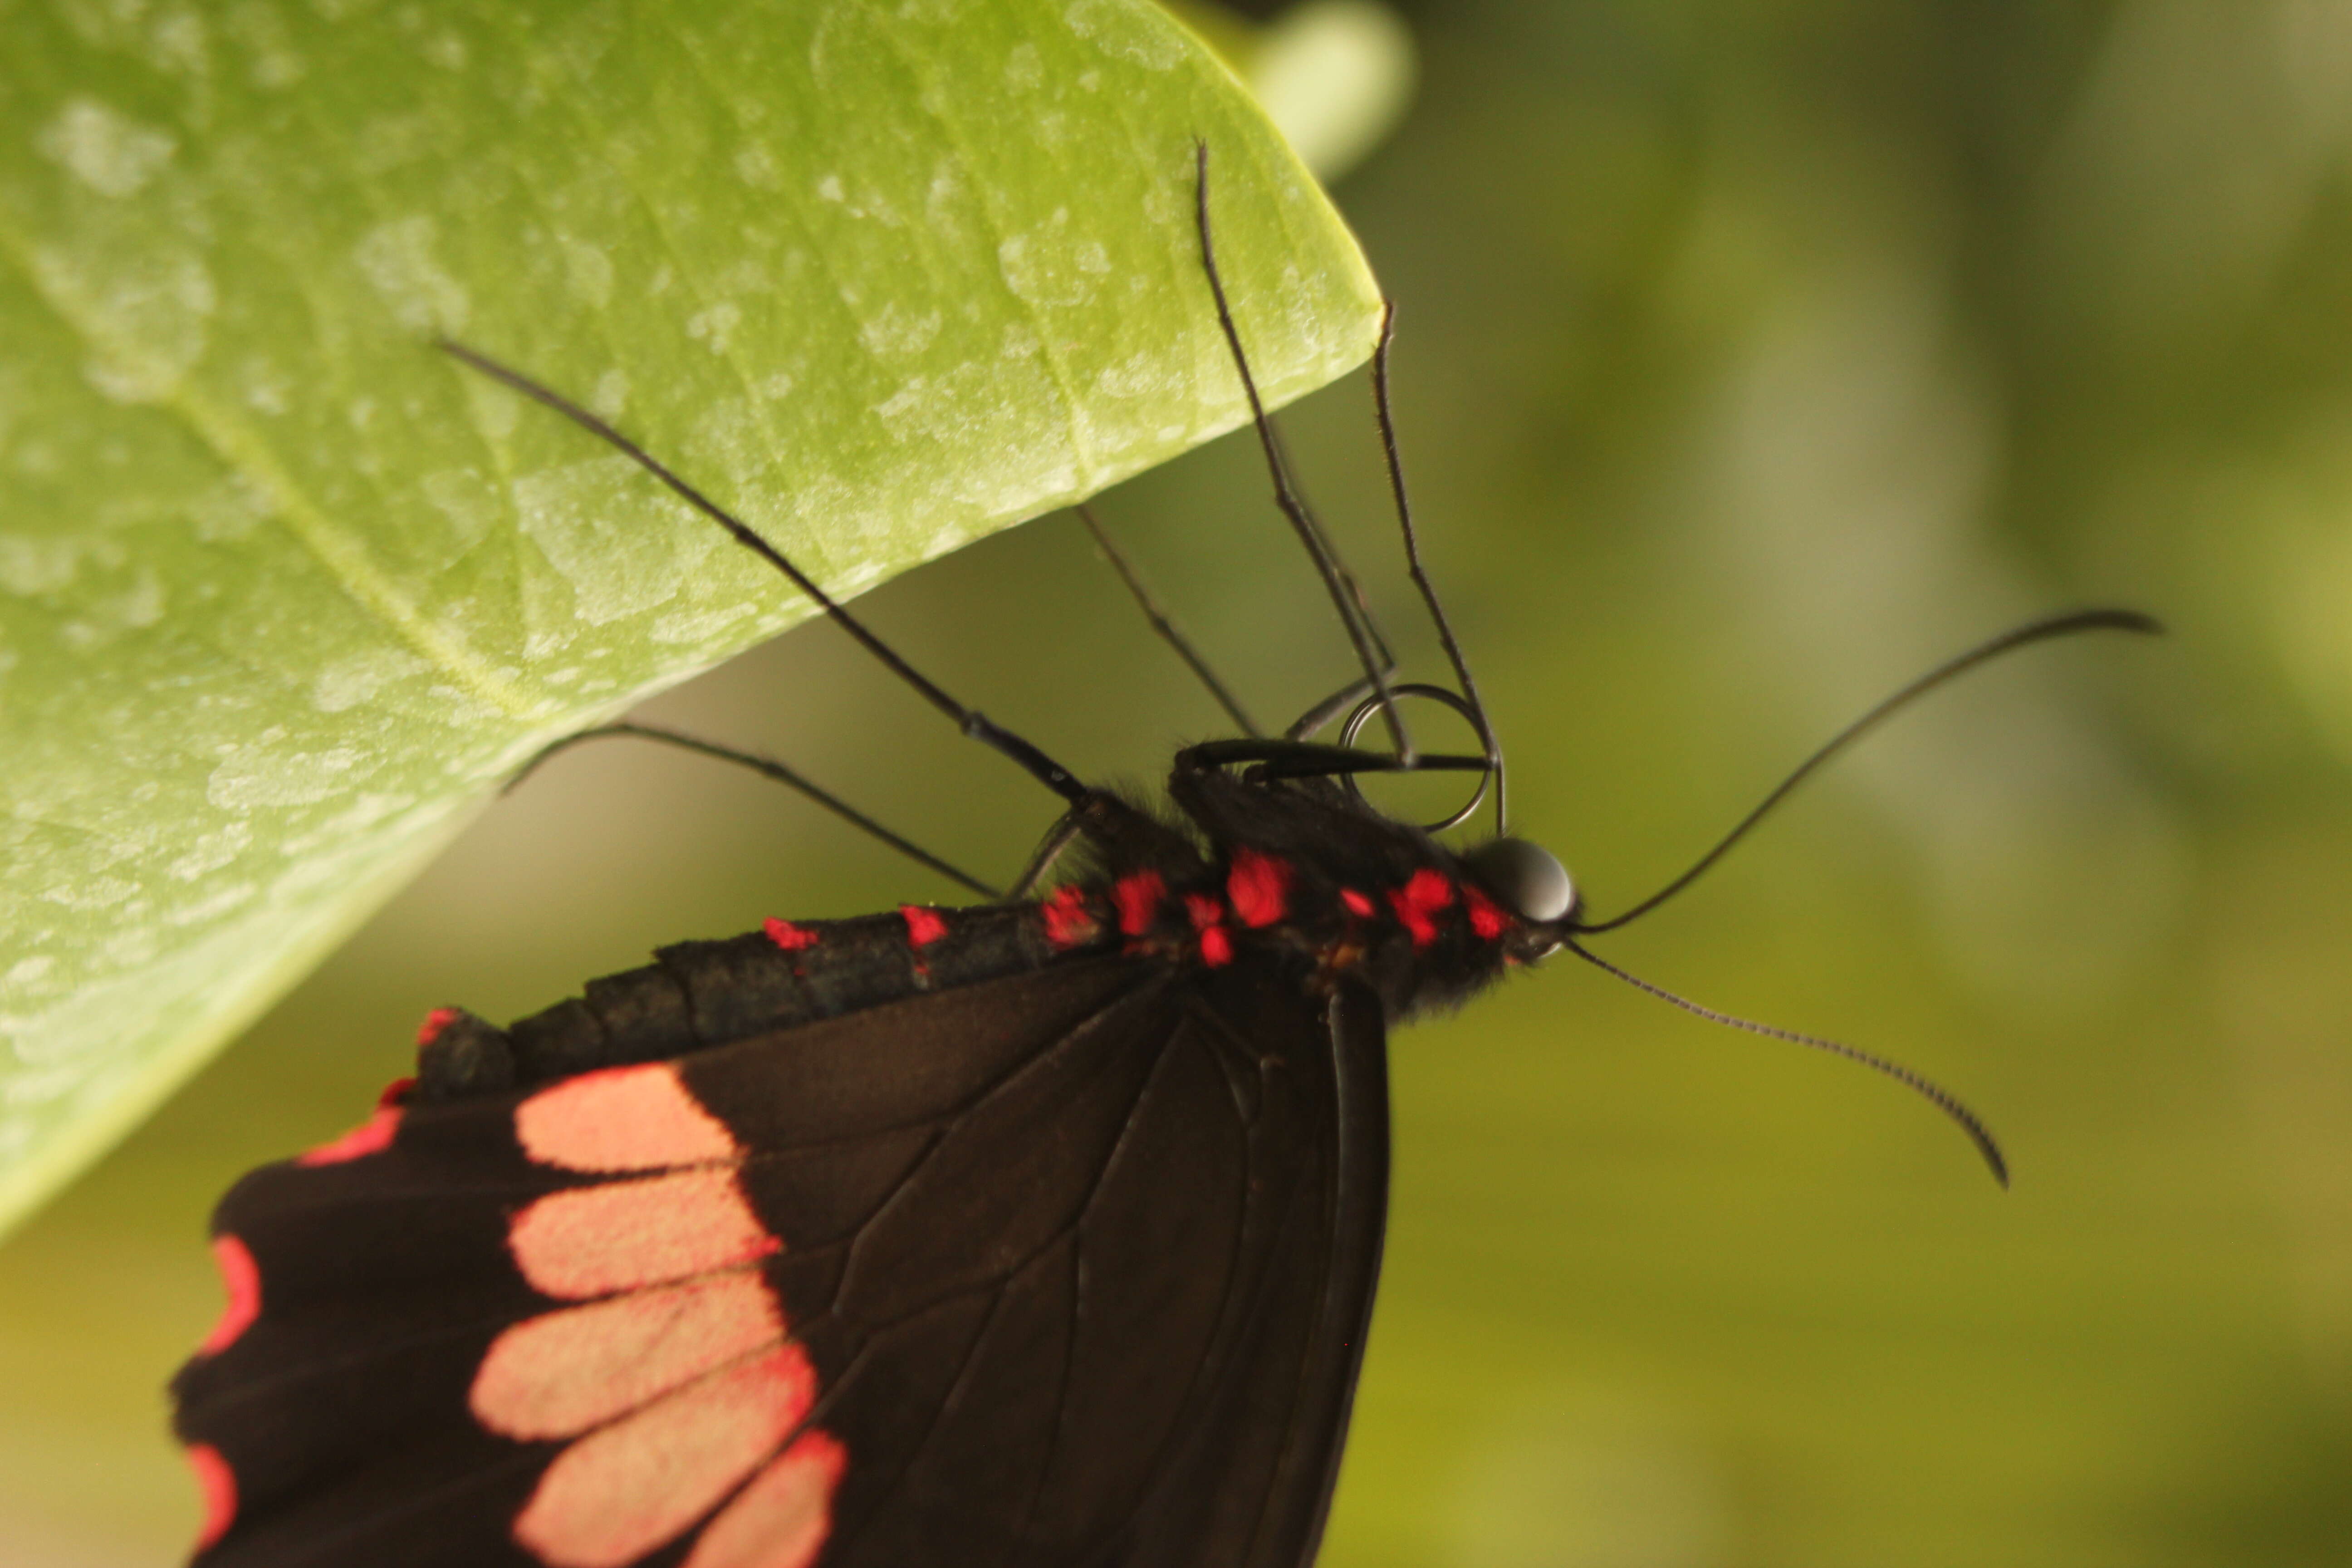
(1753, 357)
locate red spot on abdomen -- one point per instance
(370, 1137)
(241, 1277)
(1357, 904)
(435, 1022)
(1068, 921)
(217, 1483)
(1136, 899)
(1216, 942)
(924, 926)
(1486, 917)
(1258, 886)
(787, 936)
(1424, 893)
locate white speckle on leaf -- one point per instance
(1090, 81)
(715, 326)
(1022, 68)
(213, 905)
(107, 151)
(588, 272)
(756, 167)
(230, 509)
(24, 971)
(894, 331)
(39, 564)
(829, 189)
(621, 555)
(447, 50)
(175, 44)
(776, 386)
(348, 682)
(209, 852)
(260, 773)
(1138, 375)
(610, 399)
(693, 629)
(142, 309)
(469, 501)
(1092, 257)
(1127, 33)
(273, 62)
(397, 257)
(1046, 267)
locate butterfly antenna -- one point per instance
(1336, 579)
(1387, 420)
(2009, 641)
(973, 723)
(1927, 1089)
(1166, 628)
(767, 767)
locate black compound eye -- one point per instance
(1524, 878)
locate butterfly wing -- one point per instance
(1065, 1267)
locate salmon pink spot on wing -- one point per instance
(627, 1488)
(435, 1022)
(781, 1518)
(924, 926)
(1216, 947)
(216, 1484)
(558, 1374)
(1358, 904)
(787, 936)
(1138, 900)
(1258, 886)
(241, 1277)
(621, 1119)
(594, 1241)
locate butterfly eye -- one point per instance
(1524, 878)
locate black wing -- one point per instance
(1069, 1267)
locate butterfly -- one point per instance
(1042, 1233)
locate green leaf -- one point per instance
(283, 590)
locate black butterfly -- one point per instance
(1040, 1233)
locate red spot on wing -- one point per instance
(1424, 893)
(586, 1242)
(1068, 921)
(435, 1022)
(621, 1119)
(924, 926)
(560, 1373)
(1357, 904)
(370, 1137)
(627, 1487)
(241, 1277)
(1137, 898)
(1258, 886)
(781, 1518)
(1486, 917)
(1216, 942)
(216, 1484)
(787, 936)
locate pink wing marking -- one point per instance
(217, 1483)
(241, 1277)
(625, 1235)
(558, 1374)
(782, 1519)
(621, 1119)
(624, 1491)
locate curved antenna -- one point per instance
(2017, 637)
(1387, 421)
(1335, 581)
(970, 720)
(1927, 1089)
(1166, 628)
(767, 767)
